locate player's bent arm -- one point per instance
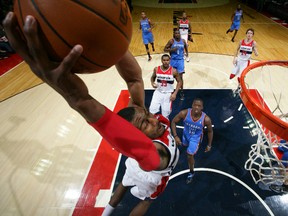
(176, 119)
(153, 78)
(255, 48)
(168, 46)
(131, 72)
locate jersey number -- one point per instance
(163, 83)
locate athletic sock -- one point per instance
(108, 210)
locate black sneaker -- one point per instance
(279, 188)
(149, 58)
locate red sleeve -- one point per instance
(128, 140)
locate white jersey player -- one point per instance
(162, 80)
(146, 185)
(243, 54)
(184, 29)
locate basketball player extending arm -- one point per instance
(58, 75)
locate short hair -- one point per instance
(250, 29)
(198, 99)
(127, 113)
(165, 55)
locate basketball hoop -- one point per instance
(264, 92)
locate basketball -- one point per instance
(102, 27)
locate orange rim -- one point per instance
(266, 118)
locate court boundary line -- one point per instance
(229, 176)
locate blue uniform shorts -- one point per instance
(148, 38)
(192, 144)
(235, 26)
(178, 64)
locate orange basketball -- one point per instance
(102, 27)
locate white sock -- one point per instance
(108, 210)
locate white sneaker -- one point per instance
(187, 59)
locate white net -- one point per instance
(265, 158)
(264, 86)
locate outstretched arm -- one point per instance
(129, 141)
(131, 72)
(56, 75)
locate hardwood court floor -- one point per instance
(46, 149)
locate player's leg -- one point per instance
(115, 199)
(148, 52)
(191, 151)
(155, 102)
(145, 38)
(185, 37)
(235, 70)
(181, 71)
(151, 41)
(141, 208)
(242, 66)
(230, 29)
(236, 27)
(166, 105)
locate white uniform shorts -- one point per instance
(144, 184)
(240, 66)
(185, 37)
(162, 100)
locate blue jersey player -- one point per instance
(236, 18)
(177, 47)
(194, 120)
(146, 26)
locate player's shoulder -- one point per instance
(184, 112)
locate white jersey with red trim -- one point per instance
(165, 79)
(184, 27)
(152, 184)
(168, 141)
(246, 50)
